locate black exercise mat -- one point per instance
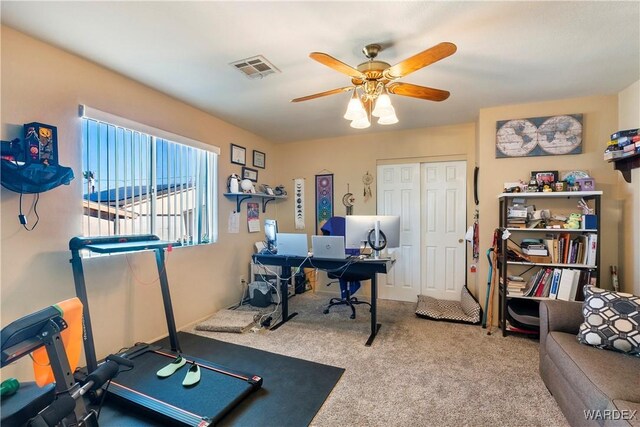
(292, 392)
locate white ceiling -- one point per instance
(508, 52)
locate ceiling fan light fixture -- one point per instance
(361, 123)
(389, 119)
(375, 79)
(383, 105)
(355, 109)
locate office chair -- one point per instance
(349, 282)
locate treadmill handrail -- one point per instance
(80, 242)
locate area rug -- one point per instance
(293, 389)
(235, 321)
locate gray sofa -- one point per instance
(584, 378)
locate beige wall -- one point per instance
(629, 194)
(349, 158)
(599, 121)
(42, 83)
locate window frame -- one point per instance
(157, 137)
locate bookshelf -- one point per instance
(578, 263)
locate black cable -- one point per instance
(104, 394)
(23, 219)
(372, 244)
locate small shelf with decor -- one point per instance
(623, 151)
(265, 199)
(542, 263)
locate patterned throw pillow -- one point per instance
(611, 320)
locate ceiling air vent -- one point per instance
(255, 67)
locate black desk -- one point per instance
(366, 267)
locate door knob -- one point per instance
(460, 240)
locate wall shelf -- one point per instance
(241, 197)
(625, 164)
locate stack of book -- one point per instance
(515, 253)
(516, 286)
(622, 144)
(534, 247)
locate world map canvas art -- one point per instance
(539, 136)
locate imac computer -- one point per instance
(360, 230)
(270, 232)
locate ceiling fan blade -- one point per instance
(420, 60)
(337, 65)
(415, 91)
(321, 94)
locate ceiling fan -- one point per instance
(375, 79)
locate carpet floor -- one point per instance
(417, 372)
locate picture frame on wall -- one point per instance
(238, 155)
(250, 174)
(259, 159)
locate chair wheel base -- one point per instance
(353, 316)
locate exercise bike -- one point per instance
(55, 404)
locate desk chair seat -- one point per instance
(349, 283)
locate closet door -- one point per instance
(398, 193)
(443, 191)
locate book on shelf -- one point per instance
(535, 251)
(614, 154)
(568, 280)
(542, 283)
(546, 290)
(529, 291)
(564, 238)
(555, 282)
(592, 248)
(623, 141)
(623, 133)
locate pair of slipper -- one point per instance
(193, 374)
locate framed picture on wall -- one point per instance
(259, 159)
(251, 174)
(238, 155)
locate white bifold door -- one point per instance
(431, 201)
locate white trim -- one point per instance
(93, 113)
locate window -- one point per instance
(139, 180)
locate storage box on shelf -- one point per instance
(538, 263)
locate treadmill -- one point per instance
(219, 390)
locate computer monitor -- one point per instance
(270, 231)
(358, 227)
